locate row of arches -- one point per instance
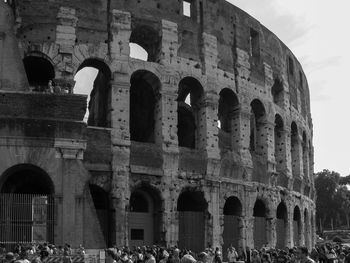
(145, 105)
(147, 212)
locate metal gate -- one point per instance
(259, 232)
(191, 230)
(296, 236)
(231, 233)
(281, 233)
(26, 218)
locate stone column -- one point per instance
(289, 226)
(120, 100)
(65, 39)
(213, 231)
(296, 153)
(244, 141)
(70, 152)
(271, 231)
(170, 43)
(249, 231)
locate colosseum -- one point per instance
(207, 142)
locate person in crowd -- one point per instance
(303, 255)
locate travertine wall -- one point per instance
(266, 154)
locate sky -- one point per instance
(316, 32)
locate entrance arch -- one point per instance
(191, 206)
(93, 78)
(232, 214)
(259, 214)
(39, 71)
(26, 205)
(145, 217)
(296, 226)
(281, 224)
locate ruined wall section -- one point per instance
(216, 50)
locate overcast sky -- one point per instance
(317, 33)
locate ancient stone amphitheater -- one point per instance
(207, 143)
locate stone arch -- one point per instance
(26, 179)
(281, 225)
(39, 69)
(296, 226)
(145, 216)
(26, 196)
(99, 93)
(190, 100)
(148, 38)
(101, 200)
(257, 117)
(260, 227)
(279, 143)
(294, 138)
(232, 234)
(144, 99)
(228, 116)
(191, 207)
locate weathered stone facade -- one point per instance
(213, 132)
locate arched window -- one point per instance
(257, 117)
(305, 156)
(148, 39)
(228, 119)
(294, 149)
(189, 99)
(279, 142)
(277, 92)
(39, 71)
(144, 97)
(93, 79)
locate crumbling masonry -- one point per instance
(208, 142)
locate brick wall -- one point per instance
(42, 106)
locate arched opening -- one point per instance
(281, 225)
(232, 223)
(277, 92)
(144, 98)
(257, 136)
(296, 226)
(259, 215)
(26, 205)
(148, 39)
(190, 100)
(294, 148)
(145, 217)
(39, 72)
(305, 156)
(93, 79)
(279, 143)
(307, 229)
(228, 116)
(138, 52)
(191, 207)
(101, 202)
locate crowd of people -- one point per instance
(328, 253)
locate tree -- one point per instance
(326, 184)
